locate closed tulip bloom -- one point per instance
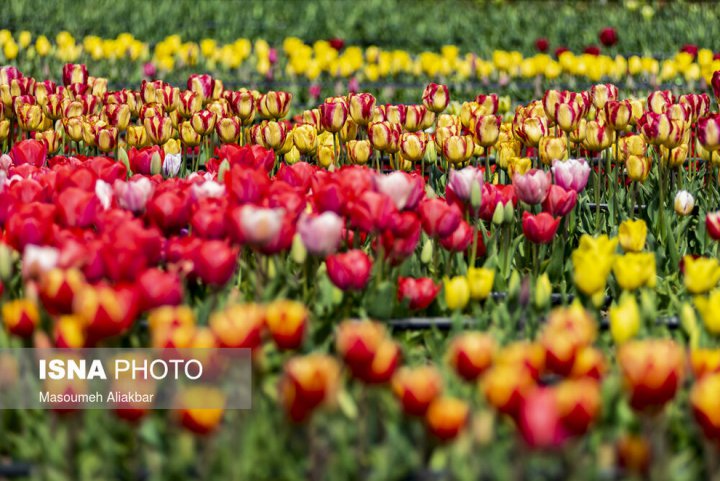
(533, 186)
(579, 133)
(359, 151)
(413, 145)
(260, 226)
(203, 85)
(242, 103)
(321, 233)
(20, 316)
(439, 218)
(30, 151)
(470, 354)
(106, 139)
(709, 309)
(287, 323)
(214, 262)
(624, 319)
(416, 388)
(703, 399)
(415, 117)
(360, 107)
(436, 97)
(305, 138)
(349, 270)
(638, 168)
(457, 292)
(540, 228)
(684, 203)
(631, 145)
(487, 129)
(488, 103)
(592, 262)
(203, 122)
(659, 100)
(228, 130)
(505, 387)
(559, 202)
(74, 73)
(274, 134)
(419, 293)
(553, 148)
(446, 417)
(159, 129)
(188, 135)
(618, 113)
(699, 105)
(308, 382)
(117, 115)
(4, 129)
(656, 128)
(598, 136)
(333, 116)
(579, 403)
(384, 136)
(701, 274)
(652, 372)
(602, 93)
(458, 149)
(571, 174)
(276, 105)
(567, 116)
(712, 224)
(531, 130)
(708, 131)
(189, 103)
(357, 342)
(238, 326)
(634, 270)
(463, 181)
(51, 139)
(632, 235)
(480, 281)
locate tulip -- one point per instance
(487, 129)
(708, 309)
(416, 388)
(32, 152)
(539, 421)
(712, 224)
(350, 270)
(357, 342)
(321, 233)
(631, 145)
(238, 326)
(203, 122)
(531, 130)
(214, 262)
(74, 73)
(533, 186)
(559, 202)
(458, 149)
(137, 136)
(436, 97)
(602, 93)
(463, 181)
(419, 293)
(439, 219)
(446, 417)
(624, 319)
(117, 115)
(704, 362)
(652, 372)
(29, 117)
(308, 382)
(598, 136)
(571, 174)
(701, 274)
(567, 332)
(703, 399)
(505, 387)
(20, 316)
(159, 129)
(413, 146)
(578, 403)
(275, 105)
(287, 322)
(608, 36)
(552, 149)
(568, 116)
(159, 288)
(403, 189)
(480, 282)
(471, 354)
(457, 292)
(632, 235)
(415, 116)
(260, 226)
(592, 262)
(360, 107)
(634, 270)
(684, 203)
(638, 167)
(133, 195)
(106, 139)
(200, 420)
(656, 128)
(333, 116)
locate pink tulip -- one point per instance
(461, 182)
(133, 195)
(532, 187)
(260, 226)
(405, 190)
(320, 233)
(571, 174)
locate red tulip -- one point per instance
(168, 210)
(540, 228)
(539, 420)
(559, 202)
(159, 288)
(350, 270)
(372, 212)
(214, 262)
(30, 224)
(247, 185)
(542, 44)
(712, 224)
(141, 159)
(250, 157)
(608, 36)
(208, 219)
(459, 240)
(77, 207)
(420, 292)
(29, 151)
(439, 219)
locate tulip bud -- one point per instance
(298, 252)
(7, 262)
(426, 253)
(499, 214)
(155, 164)
(188, 135)
(359, 151)
(223, 169)
(689, 323)
(123, 158)
(543, 290)
(684, 203)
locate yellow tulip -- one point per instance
(457, 292)
(632, 235)
(481, 282)
(10, 50)
(592, 262)
(701, 274)
(624, 319)
(634, 270)
(709, 309)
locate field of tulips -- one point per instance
(460, 287)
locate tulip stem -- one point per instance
(473, 252)
(597, 198)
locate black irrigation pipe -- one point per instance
(15, 469)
